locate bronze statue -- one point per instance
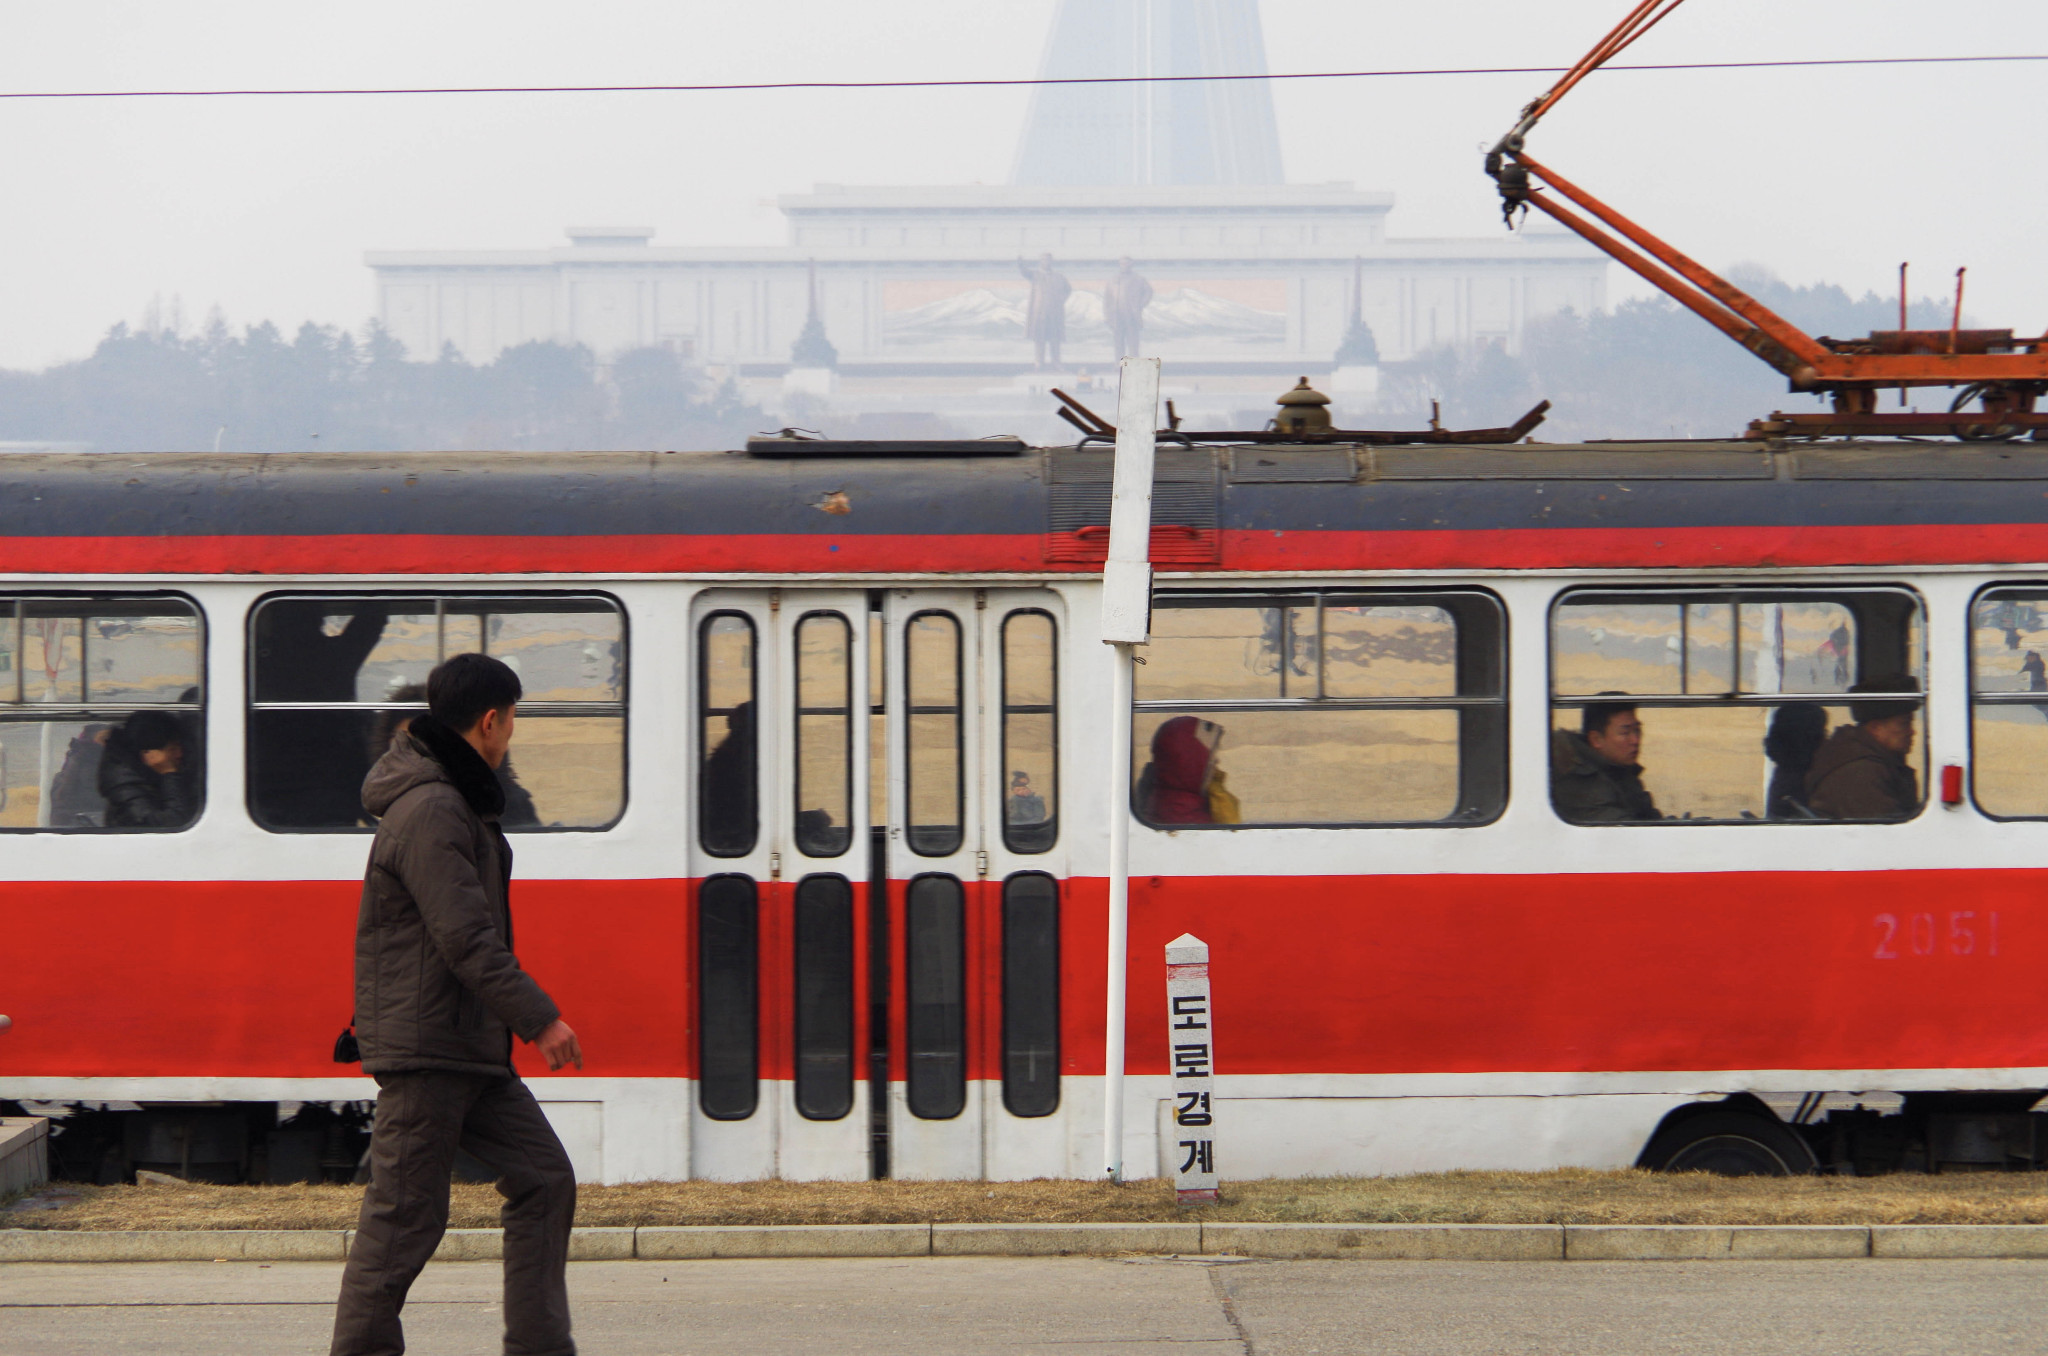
(1046, 321)
(1124, 301)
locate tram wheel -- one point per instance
(1730, 1144)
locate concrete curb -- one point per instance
(172, 1245)
(682, 1242)
(1062, 1240)
(1362, 1242)
(1390, 1242)
(1959, 1240)
(1694, 1242)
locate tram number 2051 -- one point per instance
(1960, 932)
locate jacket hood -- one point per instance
(405, 765)
(430, 751)
(1180, 760)
(1572, 755)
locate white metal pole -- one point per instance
(1118, 951)
(1126, 621)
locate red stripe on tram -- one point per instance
(880, 553)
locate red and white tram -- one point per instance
(813, 827)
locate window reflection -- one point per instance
(336, 678)
(2009, 702)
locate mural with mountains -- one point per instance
(996, 315)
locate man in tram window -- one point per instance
(1594, 775)
(1861, 772)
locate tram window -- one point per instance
(728, 998)
(878, 721)
(1740, 705)
(728, 778)
(336, 678)
(824, 997)
(102, 714)
(2009, 702)
(1031, 761)
(935, 983)
(932, 769)
(824, 735)
(1336, 708)
(1031, 994)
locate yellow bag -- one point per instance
(1223, 807)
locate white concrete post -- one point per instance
(1126, 621)
(1191, 1040)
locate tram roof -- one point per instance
(1269, 507)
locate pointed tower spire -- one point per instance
(812, 348)
(1190, 133)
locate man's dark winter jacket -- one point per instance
(1587, 789)
(437, 985)
(1855, 777)
(137, 796)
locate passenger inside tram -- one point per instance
(143, 774)
(1185, 783)
(1595, 777)
(1861, 772)
(1025, 806)
(729, 803)
(1798, 729)
(308, 765)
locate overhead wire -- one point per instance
(774, 85)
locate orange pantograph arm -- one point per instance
(1697, 288)
(1786, 347)
(1645, 16)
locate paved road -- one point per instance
(1073, 1307)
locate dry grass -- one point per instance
(1573, 1197)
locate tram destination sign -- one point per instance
(1191, 1041)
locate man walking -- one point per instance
(439, 996)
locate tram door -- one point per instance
(877, 871)
(968, 734)
(781, 869)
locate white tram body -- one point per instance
(869, 938)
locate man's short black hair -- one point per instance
(1866, 711)
(466, 686)
(1594, 718)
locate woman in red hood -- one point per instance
(1182, 783)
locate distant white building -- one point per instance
(1249, 274)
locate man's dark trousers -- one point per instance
(422, 1116)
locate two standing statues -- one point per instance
(1124, 299)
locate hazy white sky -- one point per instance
(265, 207)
